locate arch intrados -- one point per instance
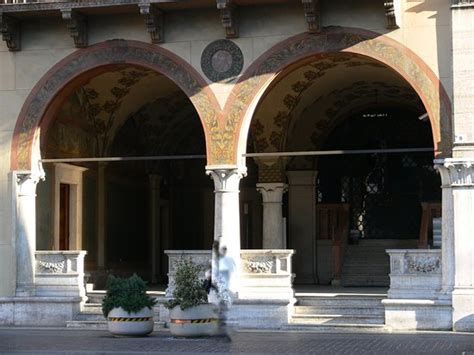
(262, 90)
(60, 88)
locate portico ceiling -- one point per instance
(89, 120)
(300, 110)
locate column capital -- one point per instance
(226, 179)
(456, 172)
(272, 192)
(26, 182)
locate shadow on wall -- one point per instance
(441, 15)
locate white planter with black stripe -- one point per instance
(122, 323)
(202, 320)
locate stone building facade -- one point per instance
(114, 112)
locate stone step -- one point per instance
(327, 319)
(101, 324)
(97, 296)
(92, 308)
(342, 309)
(369, 269)
(87, 324)
(365, 282)
(335, 328)
(341, 301)
(402, 243)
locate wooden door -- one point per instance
(64, 216)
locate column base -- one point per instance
(25, 291)
(463, 309)
(417, 314)
(38, 311)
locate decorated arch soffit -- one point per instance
(76, 69)
(272, 65)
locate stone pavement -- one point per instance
(63, 341)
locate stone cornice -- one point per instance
(456, 4)
(462, 3)
(456, 172)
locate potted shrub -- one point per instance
(191, 314)
(127, 307)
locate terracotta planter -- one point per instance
(122, 323)
(196, 321)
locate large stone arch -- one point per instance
(79, 67)
(271, 66)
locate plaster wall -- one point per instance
(425, 28)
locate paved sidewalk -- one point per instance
(63, 341)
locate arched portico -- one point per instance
(53, 90)
(79, 67)
(284, 57)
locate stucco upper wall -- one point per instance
(425, 28)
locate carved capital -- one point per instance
(312, 15)
(26, 183)
(153, 21)
(226, 180)
(11, 32)
(272, 192)
(456, 172)
(77, 25)
(390, 14)
(229, 17)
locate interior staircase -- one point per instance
(91, 316)
(368, 264)
(359, 311)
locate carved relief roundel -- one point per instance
(222, 60)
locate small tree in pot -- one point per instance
(190, 312)
(127, 307)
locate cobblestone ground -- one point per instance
(62, 341)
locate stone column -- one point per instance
(458, 172)
(101, 215)
(226, 215)
(155, 226)
(272, 196)
(25, 196)
(458, 238)
(302, 215)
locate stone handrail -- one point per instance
(264, 272)
(60, 273)
(414, 273)
(60, 262)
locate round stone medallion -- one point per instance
(222, 60)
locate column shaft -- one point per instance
(272, 201)
(458, 241)
(227, 216)
(25, 232)
(155, 226)
(101, 216)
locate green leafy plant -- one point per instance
(189, 289)
(128, 293)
